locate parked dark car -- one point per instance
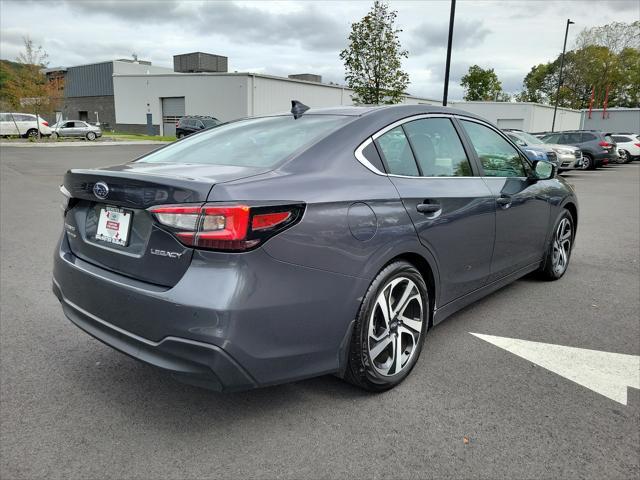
(195, 123)
(598, 148)
(278, 248)
(565, 157)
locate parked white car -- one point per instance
(23, 124)
(628, 146)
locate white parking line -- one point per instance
(606, 373)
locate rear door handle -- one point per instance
(429, 207)
(504, 201)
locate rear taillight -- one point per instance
(637, 144)
(605, 144)
(45, 123)
(226, 227)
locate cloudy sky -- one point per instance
(282, 37)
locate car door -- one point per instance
(451, 207)
(25, 122)
(7, 125)
(522, 211)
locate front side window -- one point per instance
(588, 137)
(397, 153)
(497, 156)
(554, 138)
(438, 148)
(256, 142)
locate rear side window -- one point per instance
(497, 156)
(587, 137)
(438, 148)
(256, 142)
(397, 153)
(555, 138)
(5, 117)
(573, 137)
(619, 139)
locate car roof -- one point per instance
(385, 110)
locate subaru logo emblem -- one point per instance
(101, 190)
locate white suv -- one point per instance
(23, 124)
(628, 146)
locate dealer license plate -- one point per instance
(113, 225)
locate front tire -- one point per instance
(559, 249)
(390, 327)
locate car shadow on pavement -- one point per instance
(119, 385)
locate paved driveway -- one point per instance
(73, 408)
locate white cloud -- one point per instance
(305, 36)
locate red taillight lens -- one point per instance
(45, 123)
(269, 220)
(637, 144)
(604, 144)
(225, 227)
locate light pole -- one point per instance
(564, 48)
(448, 65)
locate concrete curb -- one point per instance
(81, 144)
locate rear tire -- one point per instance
(559, 249)
(386, 346)
(180, 135)
(624, 156)
(32, 133)
(91, 136)
(587, 162)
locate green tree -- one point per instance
(481, 84)
(605, 57)
(24, 84)
(373, 59)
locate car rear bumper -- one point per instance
(236, 324)
(192, 362)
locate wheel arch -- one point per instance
(427, 272)
(573, 210)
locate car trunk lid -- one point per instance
(108, 223)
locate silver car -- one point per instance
(567, 157)
(76, 128)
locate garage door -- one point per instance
(172, 110)
(517, 123)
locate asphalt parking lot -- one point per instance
(71, 407)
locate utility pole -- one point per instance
(564, 48)
(448, 65)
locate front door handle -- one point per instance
(429, 208)
(504, 201)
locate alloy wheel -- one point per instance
(395, 326)
(562, 246)
(586, 163)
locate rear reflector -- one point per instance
(269, 220)
(226, 227)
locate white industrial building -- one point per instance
(612, 120)
(530, 117)
(161, 99)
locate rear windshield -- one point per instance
(256, 142)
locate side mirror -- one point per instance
(543, 170)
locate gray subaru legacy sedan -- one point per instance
(327, 241)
